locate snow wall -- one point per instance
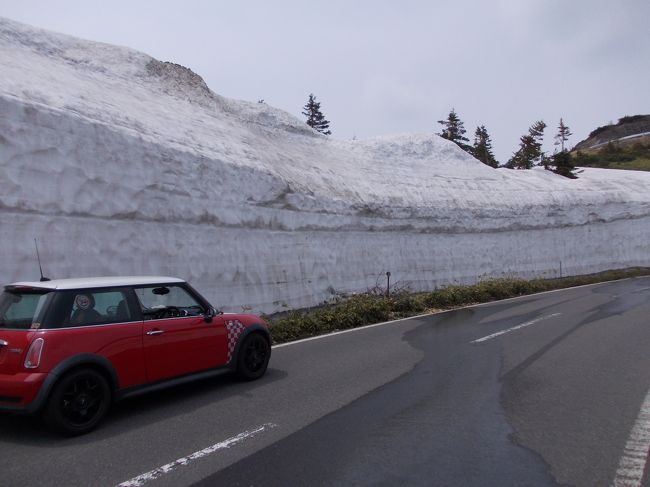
(146, 172)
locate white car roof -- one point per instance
(91, 282)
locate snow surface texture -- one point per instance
(121, 164)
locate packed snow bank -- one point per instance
(122, 164)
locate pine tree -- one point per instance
(562, 162)
(482, 148)
(530, 151)
(563, 134)
(454, 130)
(315, 118)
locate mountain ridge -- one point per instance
(628, 130)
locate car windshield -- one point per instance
(22, 308)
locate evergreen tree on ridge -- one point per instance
(315, 118)
(482, 148)
(454, 130)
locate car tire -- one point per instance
(253, 357)
(78, 402)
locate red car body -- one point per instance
(136, 333)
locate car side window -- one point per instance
(21, 309)
(90, 307)
(167, 301)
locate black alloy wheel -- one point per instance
(78, 402)
(253, 357)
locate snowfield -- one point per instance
(120, 164)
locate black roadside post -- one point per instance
(388, 284)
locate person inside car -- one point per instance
(85, 312)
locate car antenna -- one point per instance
(43, 278)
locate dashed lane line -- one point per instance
(523, 325)
(183, 461)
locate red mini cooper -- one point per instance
(69, 347)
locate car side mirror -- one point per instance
(208, 315)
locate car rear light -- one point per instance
(33, 358)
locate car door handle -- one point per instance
(155, 332)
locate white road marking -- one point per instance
(165, 469)
(523, 325)
(635, 455)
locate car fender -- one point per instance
(254, 328)
(84, 359)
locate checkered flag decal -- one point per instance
(234, 327)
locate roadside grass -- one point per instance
(374, 307)
(639, 164)
(635, 156)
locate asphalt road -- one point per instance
(441, 400)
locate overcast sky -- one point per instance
(381, 67)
